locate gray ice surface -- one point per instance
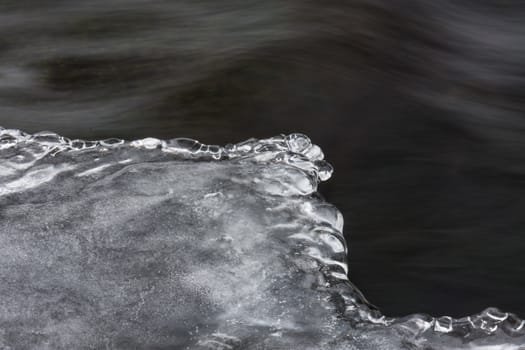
(176, 245)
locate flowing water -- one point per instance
(177, 245)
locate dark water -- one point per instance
(418, 105)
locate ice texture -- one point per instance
(156, 244)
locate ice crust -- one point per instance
(155, 244)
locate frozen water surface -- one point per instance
(173, 244)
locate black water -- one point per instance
(418, 105)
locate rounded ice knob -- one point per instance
(298, 142)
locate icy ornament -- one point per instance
(148, 143)
(112, 142)
(298, 142)
(314, 153)
(7, 141)
(48, 137)
(155, 244)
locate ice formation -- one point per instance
(173, 244)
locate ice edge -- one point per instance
(298, 151)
